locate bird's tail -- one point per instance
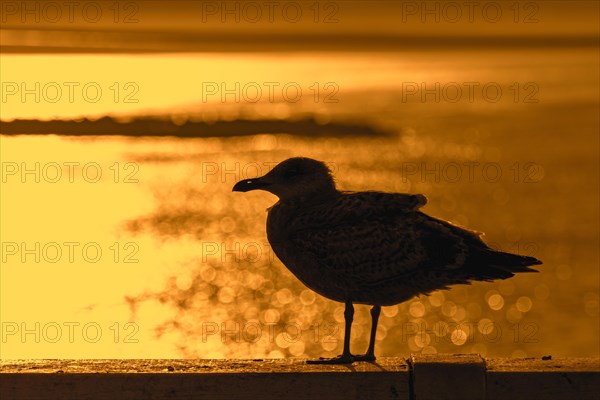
(491, 264)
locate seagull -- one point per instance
(371, 247)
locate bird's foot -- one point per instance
(364, 357)
(341, 359)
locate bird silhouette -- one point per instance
(371, 247)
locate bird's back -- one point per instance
(378, 248)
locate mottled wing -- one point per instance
(378, 248)
(356, 207)
(391, 255)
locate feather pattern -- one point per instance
(378, 248)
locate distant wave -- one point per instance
(155, 126)
(115, 41)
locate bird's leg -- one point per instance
(346, 357)
(348, 318)
(370, 354)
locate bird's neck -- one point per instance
(317, 196)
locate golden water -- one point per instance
(184, 259)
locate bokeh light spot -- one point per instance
(496, 302)
(416, 309)
(227, 224)
(226, 294)
(459, 337)
(524, 304)
(307, 297)
(436, 299)
(449, 308)
(271, 316)
(390, 312)
(513, 315)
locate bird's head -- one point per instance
(293, 179)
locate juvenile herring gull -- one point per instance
(370, 247)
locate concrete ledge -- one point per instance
(563, 378)
(422, 377)
(201, 379)
(448, 376)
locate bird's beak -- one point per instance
(250, 184)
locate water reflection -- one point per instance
(235, 296)
(206, 284)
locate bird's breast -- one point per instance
(282, 223)
(278, 230)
